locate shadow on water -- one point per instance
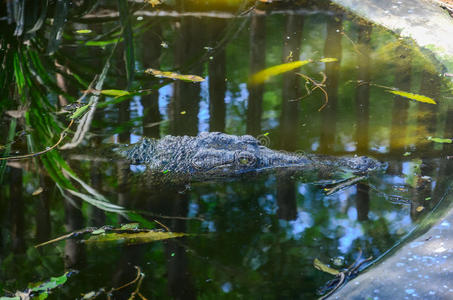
(253, 238)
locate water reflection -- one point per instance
(257, 237)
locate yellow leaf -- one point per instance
(172, 75)
(328, 59)
(265, 74)
(322, 267)
(154, 2)
(419, 209)
(133, 238)
(83, 31)
(419, 98)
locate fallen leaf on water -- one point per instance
(114, 93)
(416, 97)
(83, 31)
(173, 75)
(265, 74)
(132, 238)
(323, 267)
(328, 59)
(128, 234)
(440, 140)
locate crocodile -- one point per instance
(215, 155)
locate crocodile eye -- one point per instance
(245, 159)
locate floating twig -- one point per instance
(139, 274)
(317, 85)
(165, 227)
(62, 135)
(346, 274)
(345, 184)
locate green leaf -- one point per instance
(51, 284)
(133, 238)
(43, 296)
(265, 74)
(98, 231)
(173, 75)
(323, 267)
(130, 226)
(440, 140)
(105, 206)
(80, 111)
(102, 43)
(18, 73)
(52, 162)
(83, 31)
(416, 97)
(115, 93)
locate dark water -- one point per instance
(254, 238)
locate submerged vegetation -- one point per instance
(81, 77)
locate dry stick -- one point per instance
(66, 236)
(340, 283)
(62, 135)
(347, 183)
(139, 274)
(165, 227)
(347, 273)
(137, 289)
(141, 296)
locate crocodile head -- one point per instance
(219, 154)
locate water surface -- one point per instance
(253, 238)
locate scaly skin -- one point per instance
(217, 155)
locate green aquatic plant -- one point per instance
(41, 290)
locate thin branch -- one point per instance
(62, 136)
(139, 274)
(165, 227)
(317, 85)
(345, 184)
